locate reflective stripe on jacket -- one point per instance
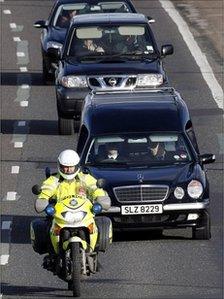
(59, 188)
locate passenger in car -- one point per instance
(65, 19)
(112, 153)
(158, 152)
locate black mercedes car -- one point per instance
(154, 174)
(54, 29)
(106, 52)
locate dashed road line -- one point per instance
(4, 259)
(7, 12)
(11, 195)
(18, 144)
(21, 123)
(16, 39)
(23, 69)
(12, 25)
(22, 52)
(15, 169)
(6, 225)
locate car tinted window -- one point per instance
(140, 149)
(66, 12)
(107, 40)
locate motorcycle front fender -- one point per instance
(75, 239)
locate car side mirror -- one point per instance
(54, 52)
(101, 183)
(207, 158)
(36, 190)
(40, 24)
(150, 19)
(166, 50)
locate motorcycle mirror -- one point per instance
(101, 183)
(36, 190)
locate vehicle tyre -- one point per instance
(76, 269)
(47, 78)
(104, 225)
(65, 126)
(202, 232)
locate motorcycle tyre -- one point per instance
(76, 269)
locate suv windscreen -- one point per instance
(111, 41)
(139, 149)
(66, 12)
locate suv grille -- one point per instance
(141, 193)
(112, 82)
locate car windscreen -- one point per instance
(66, 12)
(139, 149)
(111, 41)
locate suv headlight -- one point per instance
(73, 217)
(149, 80)
(74, 81)
(54, 45)
(194, 189)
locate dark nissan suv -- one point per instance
(55, 28)
(143, 144)
(106, 52)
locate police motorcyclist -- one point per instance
(70, 182)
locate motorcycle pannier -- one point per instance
(104, 226)
(39, 235)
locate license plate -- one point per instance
(141, 209)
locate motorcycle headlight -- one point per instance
(149, 80)
(194, 189)
(74, 217)
(54, 45)
(74, 81)
(179, 192)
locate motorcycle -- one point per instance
(72, 235)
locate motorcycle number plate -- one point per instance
(141, 209)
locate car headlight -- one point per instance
(54, 45)
(74, 217)
(179, 192)
(74, 81)
(194, 189)
(149, 80)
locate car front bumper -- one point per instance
(179, 215)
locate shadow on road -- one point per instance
(31, 291)
(33, 127)
(19, 78)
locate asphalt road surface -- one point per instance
(136, 265)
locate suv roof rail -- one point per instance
(170, 90)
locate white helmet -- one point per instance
(67, 164)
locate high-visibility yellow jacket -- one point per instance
(57, 187)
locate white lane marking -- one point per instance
(4, 259)
(18, 144)
(221, 143)
(12, 25)
(24, 103)
(23, 69)
(21, 123)
(15, 169)
(25, 86)
(11, 195)
(20, 54)
(196, 52)
(6, 225)
(7, 12)
(16, 39)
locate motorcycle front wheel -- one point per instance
(76, 269)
